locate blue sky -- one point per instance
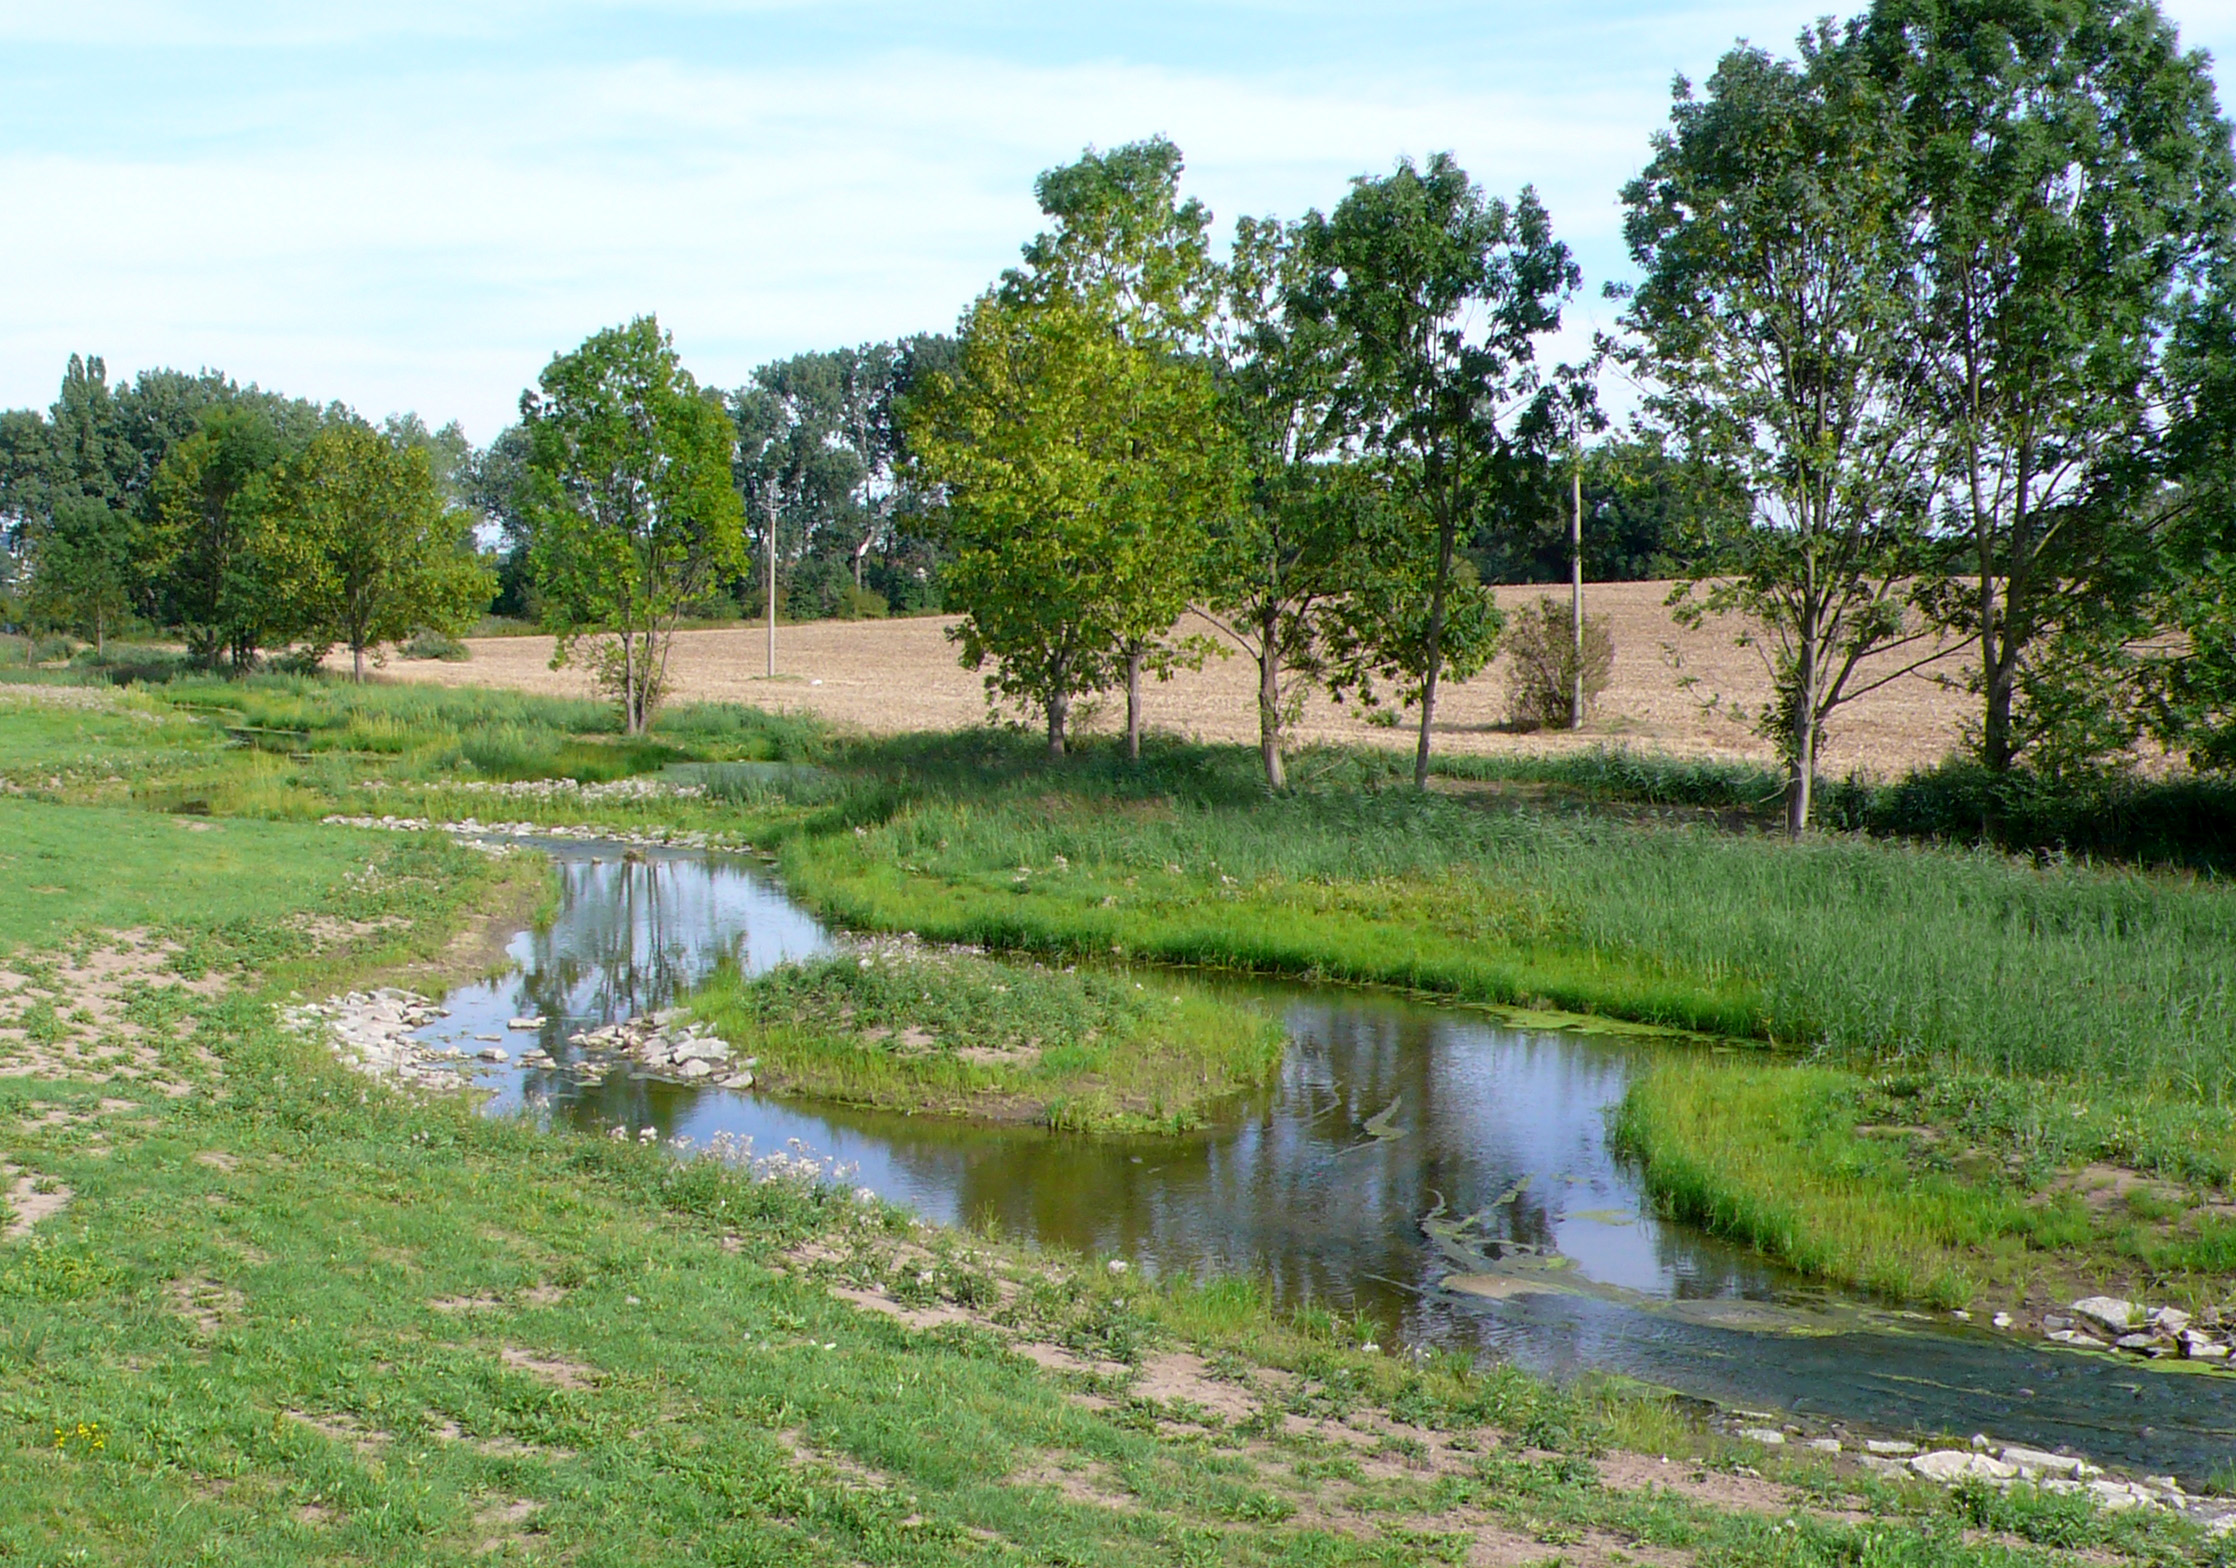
(413, 205)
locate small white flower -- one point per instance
(1117, 1265)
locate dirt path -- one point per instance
(902, 675)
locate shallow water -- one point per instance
(1447, 1176)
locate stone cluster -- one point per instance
(662, 1045)
(2003, 1465)
(371, 1031)
(472, 829)
(2108, 1323)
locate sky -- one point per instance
(414, 205)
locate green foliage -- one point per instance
(375, 550)
(630, 504)
(86, 561)
(1077, 436)
(2073, 183)
(1543, 664)
(1777, 315)
(1442, 295)
(212, 497)
(1080, 470)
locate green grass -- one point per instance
(1867, 951)
(1955, 1192)
(916, 1029)
(293, 1318)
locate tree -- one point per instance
(378, 551)
(1443, 294)
(210, 497)
(2073, 175)
(1284, 562)
(1777, 315)
(85, 558)
(1127, 247)
(1066, 455)
(632, 511)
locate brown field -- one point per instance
(902, 675)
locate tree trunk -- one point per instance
(357, 663)
(100, 648)
(1431, 664)
(1133, 704)
(1059, 710)
(1269, 704)
(1801, 779)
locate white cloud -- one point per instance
(425, 228)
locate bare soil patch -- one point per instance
(31, 1199)
(555, 1370)
(888, 676)
(70, 1015)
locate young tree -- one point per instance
(376, 548)
(1283, 563)
(84, 558)
(1777, 314)
(1065, 454)
(1443, 294)
(632, 511)
(2073, 175)
(1125, 246)
(210, 496)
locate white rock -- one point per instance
(702, 1051)
(2073, 1336)
(494, 1053)
(530, 1024)
(692, 1070)
(1888, 1448)
(2034, 1461)
(1885, 1467)
(1825, 1445)
(2169, 1320)
(2109, 1313)
(2113, 1496)
(1955, 1464)
(2003, 1320)
(1768, 1436)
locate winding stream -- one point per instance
(1447, 1176)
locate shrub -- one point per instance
(1541, 678)
(434, 645)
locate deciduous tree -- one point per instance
(633, 513)
(2073, 178)
(1442, 293)
(375, 548)
(1777, 317)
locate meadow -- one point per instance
(2069, 1013)
(282, 1314)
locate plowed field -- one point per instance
(1672, 688)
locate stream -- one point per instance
(1423, 1165)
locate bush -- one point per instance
(434, 645)
(1541, 678)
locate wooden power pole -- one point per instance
(1576, 586)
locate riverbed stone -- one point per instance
(1768, 1436)
(2077, 1339)
(1889, 1447)
(2035, 1461)
(2109, 1313)
(1948, 1465)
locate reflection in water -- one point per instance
(1400, 1147)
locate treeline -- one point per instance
(1935, 329)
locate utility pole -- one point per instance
(772, 580)
(1576, 585)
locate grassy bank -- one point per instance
(911, 1028)
(1978, 1192)
(288, 1316)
